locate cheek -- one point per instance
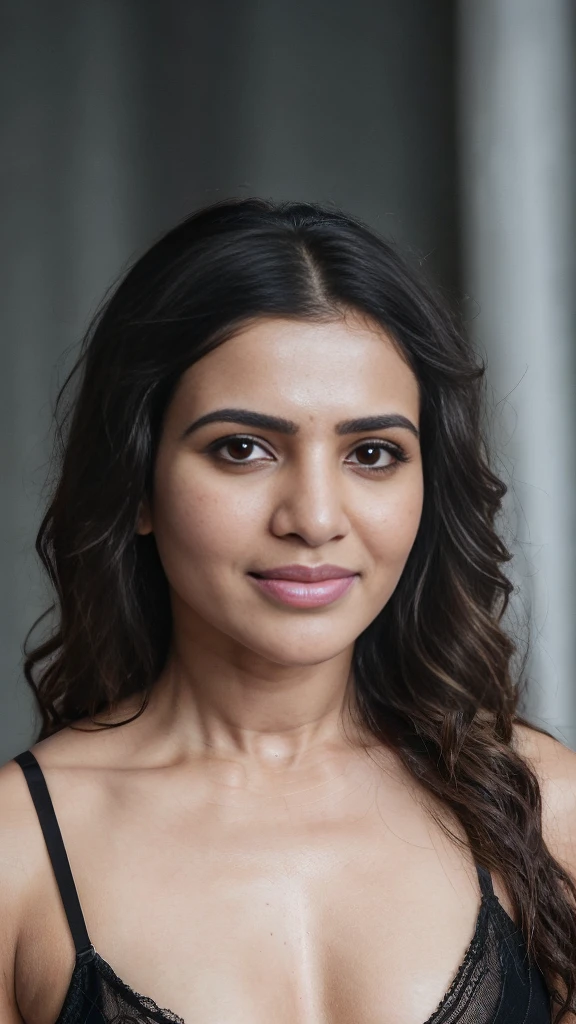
(194, 522)
(390, 528)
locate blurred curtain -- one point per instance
(517, 128)
(70, 205)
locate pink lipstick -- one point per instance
(304, 586)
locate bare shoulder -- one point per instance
(553, 762)
(70, 764)
(21, 864)
(17, 824)
(555, 767)
(22, 849)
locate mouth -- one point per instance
(305, 586)
(305, 573)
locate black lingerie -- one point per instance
(495, 984)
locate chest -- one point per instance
(322, 920)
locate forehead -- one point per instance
(276, 365)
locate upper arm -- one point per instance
(16, 871)
(555, 767)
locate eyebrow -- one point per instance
(262, 421)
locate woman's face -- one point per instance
(261, 466)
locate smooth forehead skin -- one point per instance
(320, 373)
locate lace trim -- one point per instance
(473, 953)
(471, 956)
(144, 1002)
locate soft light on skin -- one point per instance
(260, 675)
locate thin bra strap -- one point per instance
(485, 879)
(56, 849)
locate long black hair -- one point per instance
(432, 673)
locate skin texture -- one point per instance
(240, 856)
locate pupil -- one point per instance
(373, 453)
(239, 448)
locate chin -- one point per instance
(295, 650)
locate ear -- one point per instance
(144, 523)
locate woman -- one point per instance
(279, 731)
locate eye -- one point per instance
(239, 449)
(378, 457)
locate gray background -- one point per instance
(446, 125)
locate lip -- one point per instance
(301, 593)
(305, 573)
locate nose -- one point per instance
(309, 503)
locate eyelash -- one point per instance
(398, 453)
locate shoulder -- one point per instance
(23, 856)
(18, 824)
(20, 837)
(24, 862)
(21, 866)
(554, 765)
(555, 768)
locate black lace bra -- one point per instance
(495, 984)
